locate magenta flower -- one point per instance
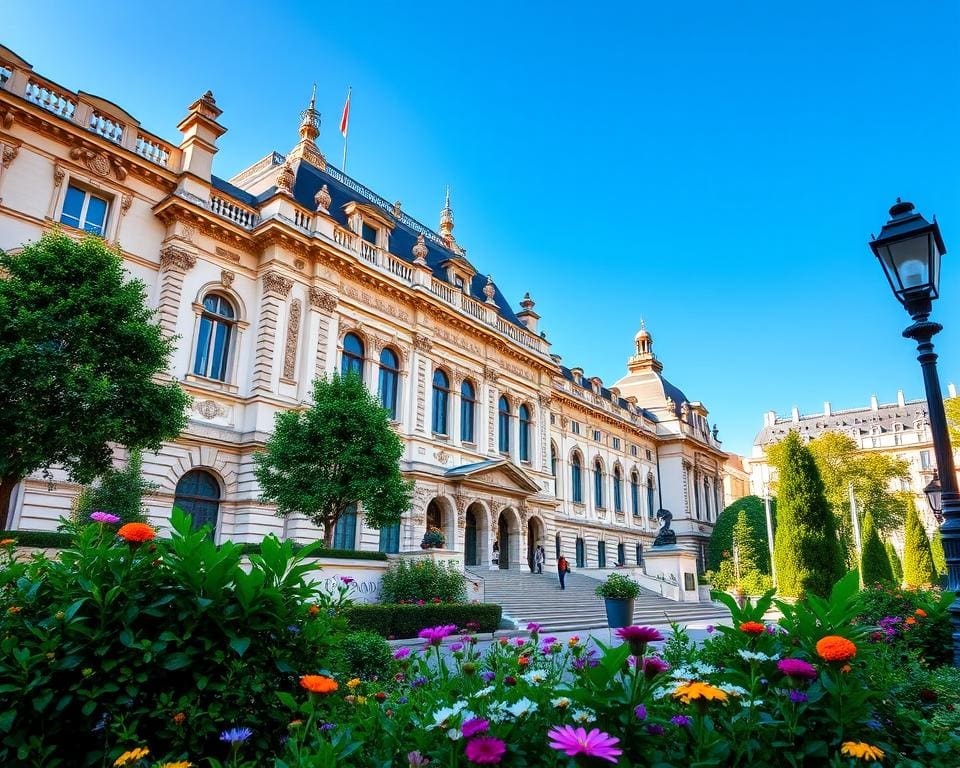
(473, 726)
(104, 517)
(655, 729)
(485, 750)
(401, 653)
(576, 741)
(416, 760)
(533, 627)
(346, 580)
(653, 666)
(797, 668)
(638, 637)
(435, 635)
(640, 711)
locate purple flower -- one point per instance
(549, 640)
(485, 750)
(655, 729)
(293, 628)
(473, 726)
(578, 664)
(681, 721)
(771, 629)
(638, 637)
(797, 668)
(519, 642)
(533, 627)
(346, 580)
(488, 676)
(418, 682)
(104, 517)
(327, 727)
(640, 711)
(711, 629)
(797, 697)
(236, 735)
(401, 653)
(653, 666)
(402, 700)
(576, 741)
(416, 760)
(435, 635)
(875, 724)
(456, 647)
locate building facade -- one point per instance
(291, 270)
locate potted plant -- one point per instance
(618, 593)
(433, 539)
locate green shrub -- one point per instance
(111, 639)
(426, 580)
(938, 555)
(918, 567)
(874, 562)
(721, 540)
(119, 492)
(896, 567)
(365, 655)
(402, 621)
(618, 587)
(39, 539)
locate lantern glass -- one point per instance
(934, 495)
(909, 250)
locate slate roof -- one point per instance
(605, 393)
(851, 421)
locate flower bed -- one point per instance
(404, 621)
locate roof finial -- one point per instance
(310, 120)
(446, 220)
(643, 325)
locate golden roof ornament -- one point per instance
(420, 251)
(306, 148)
(446, 222)
(285, 178)
(323, 199)
(490, 290)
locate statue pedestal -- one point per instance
(674, 566)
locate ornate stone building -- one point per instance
(292, 269)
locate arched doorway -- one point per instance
(535, 536)
(440, 518)
(198, 494)
(508, 539)
(475, 542)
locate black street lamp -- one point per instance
(934, 494)
(909, 249)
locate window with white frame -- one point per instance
(616, 443)
(84, 210)
(215, 337)
(575, 427)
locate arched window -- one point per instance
(390, 539)
(214, 338)
(634, 494)
(598, 484)
(601, 554)
(468, 410)
(524, 417)
(504, 425)
(576, 479)
(389, 380)
(581, 554)
(441, 399)
(198, 494)
(617, 490)
(696, 496)
(553, 459)
(352, 361)
(345, 531)
(651, 503)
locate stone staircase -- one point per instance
(527, 597)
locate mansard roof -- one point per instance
(851, 421)
(605, 393)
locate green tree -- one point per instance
(874, 563)
(806, 551)
(896, 567)
(338, 452)
(939, 556)
(80, 359)
(918, 568)
(721, 540)
(952, 407)
(120, 492)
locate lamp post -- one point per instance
(934, 494)
(909, 249)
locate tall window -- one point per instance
(716, 499)
(634, 494)
(621, 554)
(639, 554)
(84, 210)
(503, 424)
(352, 361)
(706, 497)
(345, 531)
(468, 409)
(389, 379)
(581, 554)
(696, 496)
(215, 336)
(524, 417)
(390, 538)
(617, 490)
(601, 554)
(553, 459)
(441, 399)
(198, 494)
(576, 479)
(651, 503)
(597, 484)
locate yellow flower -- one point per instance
(361, 699)
(696, 691)
(181, 764)
(351, 684)
(131, 757)
(861, 750)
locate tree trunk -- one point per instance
(7, 484)
(329, 528)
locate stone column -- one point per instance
(322, 307)
(276, 288)
(422, 345)
(174, 264)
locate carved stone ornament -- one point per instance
(546, 400)
(9, 154)
(422, 343)
(420, 251)
(175, 259)
(285, 179)
(209, 409)
(58, 174)
(299, 264)
(274, 282)
(323, 199)
(125, 202)
(564, 421)
(396, 208)
(227, 277)
(489, 290)
(491, 374)
(6, 117)
(293, 333)
(320, 299)
(99, 163)
(442, 456)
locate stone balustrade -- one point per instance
(233, 211)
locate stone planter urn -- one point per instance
(619, 612)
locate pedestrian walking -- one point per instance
(538, 558)
(563, 567)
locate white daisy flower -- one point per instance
(522, 707)
(560, 703)
(582, 716)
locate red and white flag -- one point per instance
(345, 120)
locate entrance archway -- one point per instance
(535, 538)
(440, 517)
(508, 539)
(476, 536)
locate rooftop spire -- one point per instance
(446, 220)
(310, 120)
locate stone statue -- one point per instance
(665, 536)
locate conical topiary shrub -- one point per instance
(896, 567)
(918, 569)
(874, 563)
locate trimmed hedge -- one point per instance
(721, 540)
(59, 540)
(402, 621)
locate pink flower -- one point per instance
(435, 635)
(653, 666)
(473, 726)
(797, 668)
(346, 580)
(416, 760)
(576, 741)
(638, 637)
(534, 627)
(485, 750)
(104, 517)
(401, 653)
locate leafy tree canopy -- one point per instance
(721, 540)
(338, 452)
(952, 407)
(80, 354)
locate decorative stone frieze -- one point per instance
(173, 259)
(421, 343)
(320, 299)
(293, 335)
(274, 282)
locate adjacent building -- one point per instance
(291, 269)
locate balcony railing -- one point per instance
(228, 209)
(106, 126)
(51, 98)
(152, 150)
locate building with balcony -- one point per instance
(290, 270)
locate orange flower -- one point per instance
(836, 648)
(522, 661)
(14, 609)
(845, 668)
(753, 628)
(7, 542)
(919, 612)
(697, 691)
(318, 684)
(910, 620)
(314, 610)
(136, 533)
(179, 718)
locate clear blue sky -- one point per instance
(714, 167)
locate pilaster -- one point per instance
(276, 287)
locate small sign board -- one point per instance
(689, 583)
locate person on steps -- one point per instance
(538, 559)
(563, 567)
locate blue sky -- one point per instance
(716, 168)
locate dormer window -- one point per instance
(369, 233)
(459, 282)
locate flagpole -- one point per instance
(344, 166)
(344, 126)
